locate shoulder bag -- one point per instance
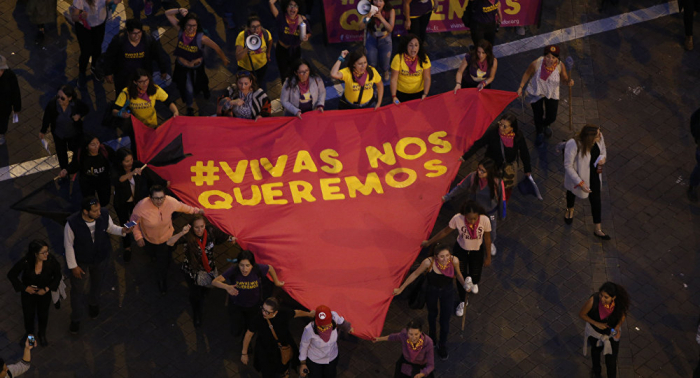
(285, 350)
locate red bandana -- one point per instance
(546, 71)
(411, 63)
(303, 87)
(605, 311)
(361, 79)
(473, 229)
(203, 247)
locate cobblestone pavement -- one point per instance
(636, 82)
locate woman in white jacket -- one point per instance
(303, 90)
(584, 157)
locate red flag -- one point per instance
(337, 202)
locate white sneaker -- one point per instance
(460, 309)
(468, 285)
(493, 249)
(475, 289)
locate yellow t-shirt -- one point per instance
(259, 59)
(352, 88)
(409, 82)
(143, 110)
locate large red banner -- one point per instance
(344, 24)
(337, 202)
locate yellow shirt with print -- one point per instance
(409, 82)
(259, 59)
(352, 88)
(144, 111)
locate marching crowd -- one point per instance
(144, 208)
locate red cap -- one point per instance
(323, 316)
(552, 49)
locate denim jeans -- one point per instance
(695, 176)
(378, 52)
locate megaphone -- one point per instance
(365, 7)
(253, 42)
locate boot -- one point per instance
(689, 43)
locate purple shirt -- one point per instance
(419, 8)
(483, 12)
(285, 35)
(189, 51)
(248, 287)
(134, 56)
(424, 356)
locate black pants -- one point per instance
(62, 148)
(35, 306)
(696, 372)
(471, 263)
(403, 97)
(90, 42)
(483, 31)
(285, 56)
(103, 188)
(415, 369)
(420, 24)
(541, 119)
(689, 8)
(163, 255)
(444, 295)
(329, 370)
(4, 120)
(593, 197)
(241, 318)
(93, 276)
(259, 75)
(124, 211)
(197, 294)
(610, 359)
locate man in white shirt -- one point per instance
(88, 246)
(21, 367)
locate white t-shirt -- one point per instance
(459, 223)
(96, 14)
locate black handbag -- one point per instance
(418, 290)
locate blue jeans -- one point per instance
(446, 297)
(378, 52)
(695, 176)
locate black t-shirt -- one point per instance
(94, 167)
(281, 325)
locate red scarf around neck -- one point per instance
(203, 247)
(411, 63)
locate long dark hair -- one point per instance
(292, 79)
(470, 206)
(241, 74)
(194, 256)
(120, 155)
(134, 89)
(490, 167)
(403, 48)
(514, 124)
(35, 246)
(437, 248)
(488, 49)
(385, 11)
(585, 139)
(69, 91)
(622, 301)
(190, 16)
(248, 255)
(353, 57)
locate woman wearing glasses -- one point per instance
(303, 90)
(254, 61)
(245, 99)
(244, 284)
(271, 324)
(35, 276)
(289, 27)
(189, 74)
(506, 146)
(63, 117)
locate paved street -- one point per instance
(636, 82)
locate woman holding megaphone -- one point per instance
(360, 80)
(380, 24)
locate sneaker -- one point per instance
(475, 289)
(74, 327)
(692, 190)
(442, 352)
(97, 74)
(493, 249)
(2, 139)
(460, 309)
(539, 140)
(688, 43)
(520, 30)
(548, 131)
(94, 311)
(468, 285)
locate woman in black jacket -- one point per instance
(36, 275)
(93, 165)
(130, 187)
(63, 116)
(505, 144)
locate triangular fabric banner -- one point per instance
(338, 202)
